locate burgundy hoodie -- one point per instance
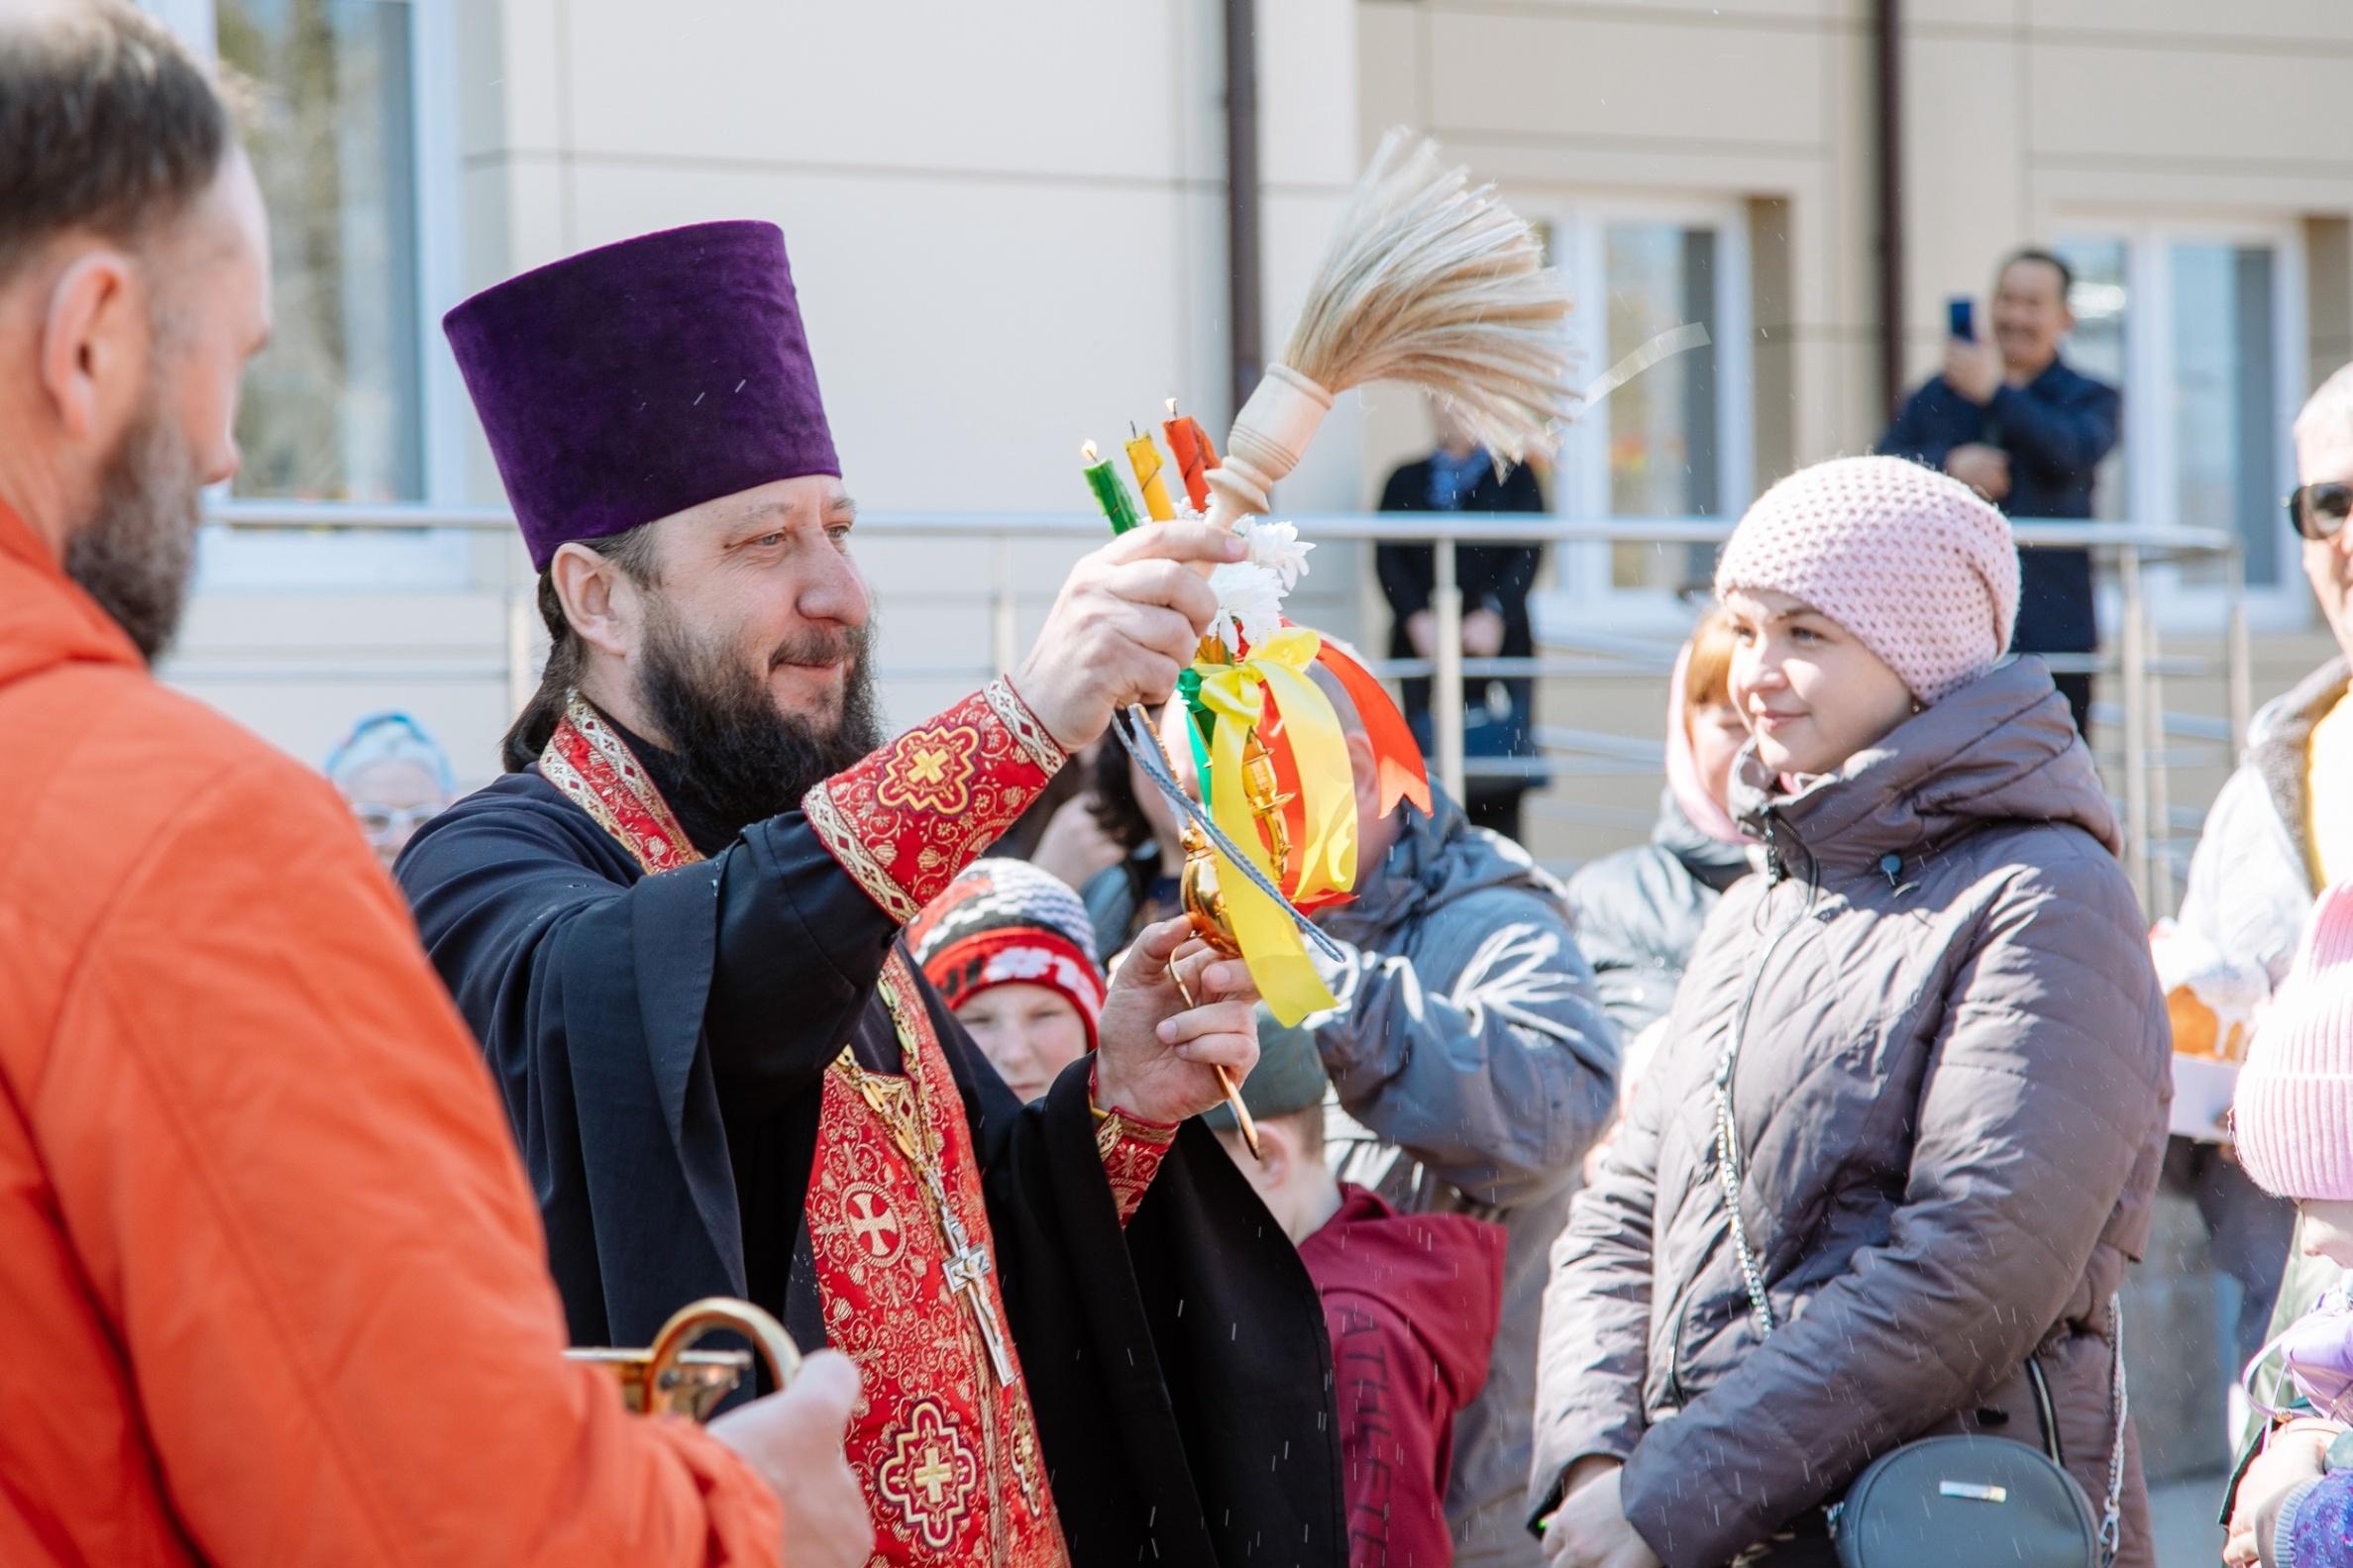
(1412, 1303)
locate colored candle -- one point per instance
(1145, 458)
(1195, 457)
(1110, 493)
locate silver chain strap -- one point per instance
(2112, 1519)
(1728, 1179)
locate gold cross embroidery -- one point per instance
(872, 1224)
(935, 1474)
(929, 765)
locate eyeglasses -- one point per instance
(380, 821)
(2318, 511)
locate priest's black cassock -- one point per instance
(659, 1041)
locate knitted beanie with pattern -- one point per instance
(1004, 921)
(1912, 562)
(2292, 1108)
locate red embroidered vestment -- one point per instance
(942, 1441)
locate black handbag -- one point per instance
(1957, 1502)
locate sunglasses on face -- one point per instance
(2318, 511)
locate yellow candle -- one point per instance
(1145, 458)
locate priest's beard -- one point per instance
(137, 554)
(740, 759)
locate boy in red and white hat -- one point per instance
(1011, 951)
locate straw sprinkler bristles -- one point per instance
(1443, 287)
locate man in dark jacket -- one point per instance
(1499, 715)
(2015, 421)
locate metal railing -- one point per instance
(2132, 658)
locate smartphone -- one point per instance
(1961, 318)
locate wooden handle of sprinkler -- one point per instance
(1232, 1091)
(1270, 436)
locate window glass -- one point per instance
(1661, 426)
(2225, 413)
(2098, 347)
(333, 408)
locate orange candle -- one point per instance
(1195, 457)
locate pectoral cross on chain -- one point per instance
(967, 1275)
(967, 1263)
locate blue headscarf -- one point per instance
(390, 736)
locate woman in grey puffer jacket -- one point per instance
(1932, 1032)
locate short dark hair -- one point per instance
(2067, 274)
(110, 124)
(633, 551)
(1308, 1127)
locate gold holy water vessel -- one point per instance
(1205, 902)
(671, 1377)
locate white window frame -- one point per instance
(439, 560)
(1580, 591)
(2148, 457)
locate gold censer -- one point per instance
(671, 1377)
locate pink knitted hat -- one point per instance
(2294, 1106)
(1911, 561)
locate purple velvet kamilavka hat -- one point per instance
(637, 379)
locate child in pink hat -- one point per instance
(2293, 1116)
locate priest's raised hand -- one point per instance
(1157, 1057)
(1128, 619)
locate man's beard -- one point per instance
(740, 759)
(138, 554)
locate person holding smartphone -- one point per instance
(2026, 430)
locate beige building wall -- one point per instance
(1751, 101)
(2023, 121)
(1008, 228)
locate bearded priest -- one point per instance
(674, 926)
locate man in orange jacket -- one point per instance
(271, 1280)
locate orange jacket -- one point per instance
(272, 1288)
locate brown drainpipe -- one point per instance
(1241, 197)
(1888, 57)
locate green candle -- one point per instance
(1110, 493)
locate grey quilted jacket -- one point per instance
(1472, 1067)
(1638, 913)
(1950, 1093)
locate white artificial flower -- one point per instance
(1277, 545)
(1250, 603)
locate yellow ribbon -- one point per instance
(1237, 692)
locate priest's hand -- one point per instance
(1157, 1058)
(794, 1442)
(1128, 617)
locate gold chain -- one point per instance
(906, 1116)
